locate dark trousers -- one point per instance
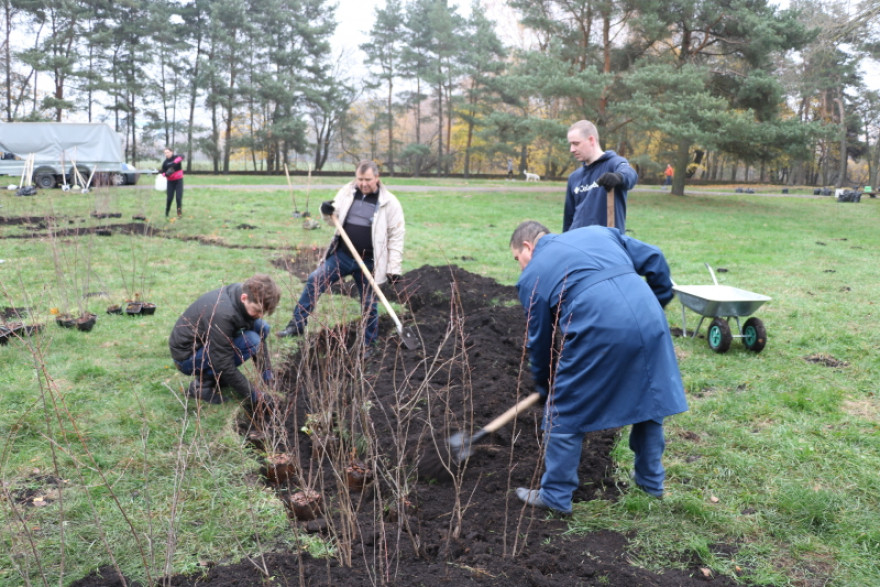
(172, 191)
(247, 344)
(334, 268)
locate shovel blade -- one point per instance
(410, 340)
(461, 447)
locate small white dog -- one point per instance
(532, 176)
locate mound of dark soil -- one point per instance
(461, 526)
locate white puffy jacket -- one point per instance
(388, 230)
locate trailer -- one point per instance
(53, 149)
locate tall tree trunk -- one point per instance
(472, 112)
(439, 128)
(606, 64)
(253, 132)
(841, 175)
(874, 178)
(8, 59)
(132, 117)
(681, 163)
(194, 92)
(390, 127)
(215, 137)
(418, 111)
(447, 165)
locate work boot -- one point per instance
(205, 390)
(292, 329)
(532, 497)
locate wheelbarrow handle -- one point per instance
(711, 272)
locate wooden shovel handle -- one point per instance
(510, 414)
(611, 223)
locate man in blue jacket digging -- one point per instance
(615, 363)
(586, 197)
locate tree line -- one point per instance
(725, 90)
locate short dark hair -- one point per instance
(586, 128)
(367, 164)
(262, 290)
(527, 232)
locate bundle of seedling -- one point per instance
(13, 324)
(73, 269)
(135, 282)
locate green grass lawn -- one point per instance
(777, 458)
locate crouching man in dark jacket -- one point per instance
(616, 365)
(220, 331)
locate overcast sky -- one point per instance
(355, 17)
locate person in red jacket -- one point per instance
(172, 169)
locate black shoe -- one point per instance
(292, 329)
(653, 494)
(205, 391)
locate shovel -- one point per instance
(460, 448)
(406, 335)
(64, 187)
(307, 214)
(296, 213)
(432, 466)
(610, 208)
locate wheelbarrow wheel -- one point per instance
(754, 335)
(719, 336)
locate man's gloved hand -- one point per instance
(327, 208)
(609, 180)
(268, 376)
(542, 391)
(392, 278)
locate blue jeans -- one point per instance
(647, 442)
(563, 455)
(247, 344)
(334, 268)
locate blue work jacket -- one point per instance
(615, 363)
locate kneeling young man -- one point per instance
(219, 332)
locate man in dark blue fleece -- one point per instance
(587, 192)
